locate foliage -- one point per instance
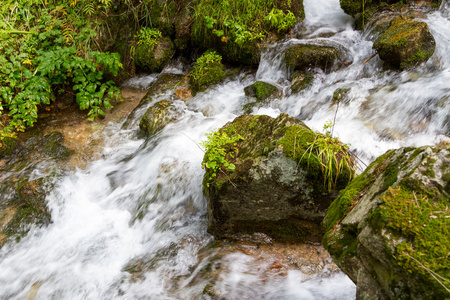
(219, 150)
(52, 47)
(208, 69)
(333, 156)
(234, 27)
(278, 19)
(425, 221)
(148, 36)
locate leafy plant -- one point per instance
(148, 36)
(278, 19)
(219, 151)
(49, 47)
(333, 156)
(208, 69)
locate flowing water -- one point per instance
(132, 224)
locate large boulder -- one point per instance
(405, 43)
(276, 187)
(389, 230)
(305, 56)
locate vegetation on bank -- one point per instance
(48, 48)
(236, 27)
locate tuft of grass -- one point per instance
(334, 157)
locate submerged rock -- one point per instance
(405, 43)
(156, 117)
(52, 145)
(276, 187)
(304, 56)
(301, 81)
(389, 230)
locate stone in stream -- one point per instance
(276, 187)
(405, 43)
(302, 57)
(389, 230)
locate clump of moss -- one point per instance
(52, 145)
(424, 221)
(7, 146)
(208, 69)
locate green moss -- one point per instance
(153, 57)
(302, 57)
(53, 146)
(340, 94)
(424, 221)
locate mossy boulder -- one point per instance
(275, 187)
(405, 43)
(302, 57)
(389, 230)
(157, 117)
(208, 70)
(153, 58)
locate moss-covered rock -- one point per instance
(208, 70)
(405, 43)
(7, 146)
(156, 117)
(154, 57)
(275, 187)
(389, 230)
(303, 57)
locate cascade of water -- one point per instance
(132, 225)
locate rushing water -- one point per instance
(132, 225)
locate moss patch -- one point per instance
(425, 221)
(208, 70)
(303, 57)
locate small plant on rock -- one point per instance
(219, 149)
(208, 69)
(334, 157)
